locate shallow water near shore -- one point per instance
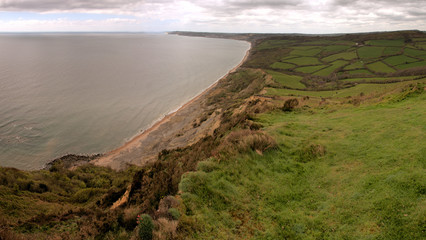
(90, 93)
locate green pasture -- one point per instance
(344, 55)
(310, 69)
(386, 43)
(359, 71)
(307, 53)
(336, 48)
(286, 80)
(365, 88)
(412, 65)
(303, 61)
(270, 44)
(380, 67)
(355, 65)
(392, 51)
(281, 65)
(334, 65)
(370, 52)
(414, 52)
(400, 59)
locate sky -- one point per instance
(255, 16)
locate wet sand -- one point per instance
(173, 131)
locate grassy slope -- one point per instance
(369, 184)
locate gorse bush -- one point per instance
(146, 226)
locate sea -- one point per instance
(91, 93)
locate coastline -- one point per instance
(112, 158)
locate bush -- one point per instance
(290, 104)
(174, 213)
(145, 227)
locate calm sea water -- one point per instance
(88, 94)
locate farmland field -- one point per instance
(370, 52)
(310, 69)
(380, 67)
(400, 59)
(356, 65)
(303, 61)
(387, 43)
(281, 65)
(287, 80)
(344, 55)
(334, 65)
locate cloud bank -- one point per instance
(306, 16)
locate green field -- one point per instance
(392, 51)
(344, 55)
(380, 67)
(281, 65)
(355, 65)
(400, 59)
(414, 52)
(336, 48)
(344, 173)
(378, 79)
(310, 69)
(370, 52)
(412, 65)
(303, 61)
(308, 53)
(386, 43)
(286, 80)
(359, 71)
(270, 44)
(342, 93)
(334, 65)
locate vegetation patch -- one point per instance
(370, 52)
(356, 65)
(281, 65)
(386, 42)
(308, 52)
(303, 61)
(380, 67)
(412, 65)
(400, 59)
(344, 55)
(286, 80)
(392, 51)
(335, 48)
(334, 65)
(414, 52)
(310, 69)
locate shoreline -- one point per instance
(107, 158)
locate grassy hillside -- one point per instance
(318, 137)
(338, 172)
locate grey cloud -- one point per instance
(50, 5)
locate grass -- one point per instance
(310, 69)
(359, 71)
(412, 65)
(303, 61)
(392, 51)
(342, 93)
(271, 44)
(344, 55)
(400, 59)
(386, 43)
(286, 80)
(356, 65)
(380, 67)
(308, 52)
(336, 48)
(370, 52)
(341, 174)
(377, 79)
(281, 65)
(334, 65)
(414, 52)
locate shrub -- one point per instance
(145, 227)
(174, 213)
(290, 104)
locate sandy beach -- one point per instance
(174, 130)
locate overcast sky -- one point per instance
(283, 16)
